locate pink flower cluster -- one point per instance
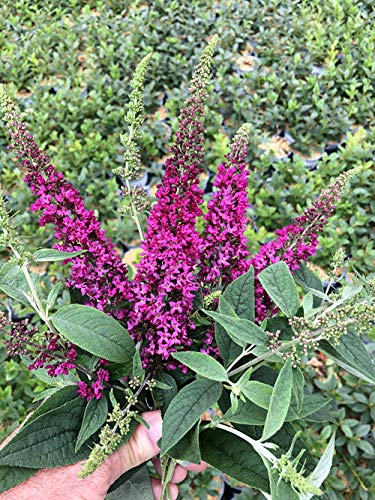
(165, 283)
(297, 242)
(54, 354)
(99, 273)
(224, 247)
(94, 390)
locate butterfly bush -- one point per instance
(177, 261)
(99, 273)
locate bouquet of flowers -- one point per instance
(205, 332)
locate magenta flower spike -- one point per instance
(298, 241)
(224, 248)
(166, 281)
(99, 273)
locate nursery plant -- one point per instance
(205, 331)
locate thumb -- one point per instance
(141, 447)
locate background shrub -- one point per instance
(301, 72)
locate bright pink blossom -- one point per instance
(297, 242)
(166, 282)
(224, 245)
(99, 273)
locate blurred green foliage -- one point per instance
(301, 67)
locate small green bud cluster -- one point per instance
(135, 382)
(202, 71)
(138, 197)
(9, 237)
(131, 398)
(288, 470)
(301, 344)
(336, 323)
(208, 300)
(8, 106)
(134, 119)
(151, 384)
(121, 418)
(109, 439)
(337, 262)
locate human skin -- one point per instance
(60, 482)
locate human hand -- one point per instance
(49, 484)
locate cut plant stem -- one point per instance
(134, 212)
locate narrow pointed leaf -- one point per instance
(52, 255)
(298, 383)
(203, 364)
(280, 401)
(186, 409)
(94, 417)
(322, 469)
(228, 349)
(240, 295)
(241, 331)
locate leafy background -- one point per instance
(300, 72)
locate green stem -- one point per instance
(315, 334)
(135, 213)
(244, 353)
(168, 466)
(259, 447)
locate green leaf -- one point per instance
(164, 397)
(54, 293)
(226, 308)
(229, 350)
(95, 332)
(203, 364)
(280, 286)
(280, 401)
(120, 370)
(186, 409)
(161, 385)
(62, 396)
(94, 417)
(298, 383)
(240, 295)
(187, 449)
(48, 441)
(258, 393)
(138, 370)
(241, 331)
(46, 393)
(12, 476)
(311, 404)
(247, 412)
(233, 456)
(13, 282)
(308, 280)
(52, 255)
(351, 355)
(134, 484)
(321, 471)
